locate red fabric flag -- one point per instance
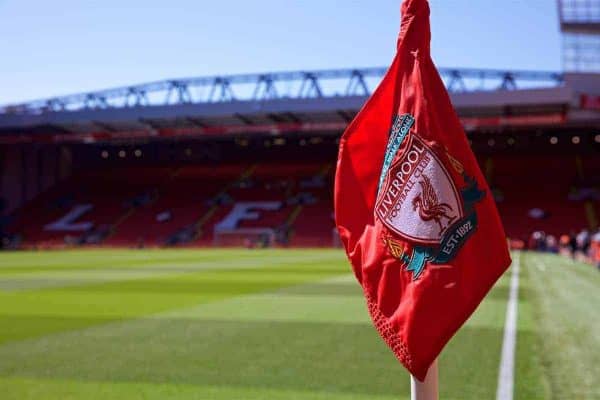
(413, 210)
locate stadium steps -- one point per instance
(120, 220)
(126, 215)
(298, 209)
(203, 220)
(293, 215)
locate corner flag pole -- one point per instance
(428, 389)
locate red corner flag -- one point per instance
(412, 208)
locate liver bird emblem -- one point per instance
(428, 205)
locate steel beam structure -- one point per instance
(333, 83)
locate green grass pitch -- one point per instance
(272, 324)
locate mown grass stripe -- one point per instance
(564, 296)
(41, 311)
(232, 346)
(294, 325)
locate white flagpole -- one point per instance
(428, 389)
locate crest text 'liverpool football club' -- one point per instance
(418, 200)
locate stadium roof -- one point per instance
(324, 100)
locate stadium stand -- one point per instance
(258, 170)
(156, 206)
(150, 206)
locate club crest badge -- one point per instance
(427, 218)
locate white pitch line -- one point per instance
(506, 375)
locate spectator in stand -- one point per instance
(537, 241)
(583, 244)
(564, 244)
(595, 249)
(551, 244)
(532, 242)
(572, 244)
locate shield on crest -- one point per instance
(418, 199)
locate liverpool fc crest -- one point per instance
(418, 200)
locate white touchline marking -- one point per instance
(506, 375)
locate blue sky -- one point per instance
(59, 47)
